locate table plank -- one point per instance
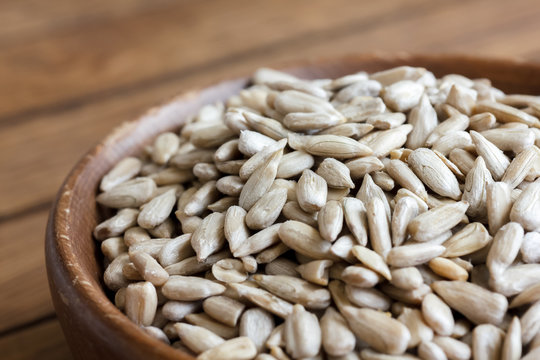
(49, 16)
(23, 280)
(98, 58)
(43, 341)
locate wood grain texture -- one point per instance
(44, 341)
(25, 292)
(71, 70)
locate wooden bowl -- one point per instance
(94, 327)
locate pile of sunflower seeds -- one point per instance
(375, 216)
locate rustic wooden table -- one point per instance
(70, 71)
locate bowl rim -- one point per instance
(57, 244)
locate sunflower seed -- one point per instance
(141, 303)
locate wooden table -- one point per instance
(70, 71)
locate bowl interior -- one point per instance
(73, 260)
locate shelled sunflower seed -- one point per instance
(391, 215)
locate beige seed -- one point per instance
(259, 241)
(229, 270)
(209, 237)
(281, 266)
(165, 146)
(529, 295)
(515, 279)
(187, 288)
(413, 297)
(437, 315)
(453, 348)
(364, 165)
(186, 161)
(305, 240)
(141, 303)
(266, 126)
(474, 302)
(520, 166)
(295, 290)
(372, 260)
(293, 211)
(403, 95)
(113, 247)
(339, 147)
(330, 220)
(335, 173)
(230, 185)
(428, 350)
(360, 276)
(530, 323)
(404, 176)
(299, 121)
(289, 185)
(499, 204)
(302, 333)
(266, 210)
(342, 248)
(383, 180)
(405, 210)
(293, 164)
(356, 218)
(197, 338)
(482, 121)
(351, 130)
(475, 190)
(381, 332)
(415, 254)
(241, 348)
(264, 299)
(177, 310)
(510, 139)
(457, 139)
(271, 253)
(415, 323)
(311, 191)
(406, 278)
(315, 271)
(135, 235)
(505, 113)
(456, 122)
(383, 142)
(113, 275)
(367, 298)
(448, 269)
(496, 161)
(257, 324)
(151, 246)
(487, 341)
(260, 181)
(337, 338)
(157, 210)
(234, 227)
(393, 75)
(250, 264)
(505, 248)
(116, 225)
(434, 173)
(530, 248)
(370, 190)
(511, 348)
(124, 170)
(226, 332)
(462, 159)
(424, 119)
(204, 196)
(427, 226)
(527, 207)
(149, 268)
(379, 229)
(131, 193)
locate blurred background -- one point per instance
(71, 70)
